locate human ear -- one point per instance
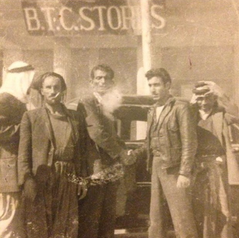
(91, 81)
(41, 91)
(168, 85)
(112, 83)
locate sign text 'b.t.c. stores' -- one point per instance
(79, 17)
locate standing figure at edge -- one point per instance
(13, 100)
(211, 198)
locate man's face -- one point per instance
(206, 102)
(158, 89)
(101, 82)
(52, 90)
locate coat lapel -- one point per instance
(46, 122)
(165, 112)
(217, 119)
(75, 125)
(150, 118)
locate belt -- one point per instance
(157, 157)
(156, 153)
(208, 155)
(63, 161)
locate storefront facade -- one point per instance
(193, 40)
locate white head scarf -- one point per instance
(18, 80)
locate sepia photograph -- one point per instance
(119, 118)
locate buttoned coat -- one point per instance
(101, 130)
(99, 206)
(11, 111)
(36, 147)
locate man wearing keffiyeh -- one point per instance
(213, 112)
(13, 100)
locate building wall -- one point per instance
(199, 42)
(122, 61)
(188, 65)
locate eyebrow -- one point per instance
(153, 83)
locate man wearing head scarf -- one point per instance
(13, 99)
(213, 111)
(51, 153)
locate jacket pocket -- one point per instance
(174, 137)
(8, 171)
(175, 154)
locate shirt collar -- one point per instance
(98, 97)
(204, 115)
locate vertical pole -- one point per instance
(145, 46)
(146, 34)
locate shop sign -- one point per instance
(81, 17)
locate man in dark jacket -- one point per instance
(52, 146)
(97, 210)
(170, 148)
(13, 100)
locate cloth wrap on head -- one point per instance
(18, 80)
(202, 89)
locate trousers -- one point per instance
(164, 188)
(211, 198)
(97, 212)
(11, 222)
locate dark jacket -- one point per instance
(102, 131)
(36, 147)
(11, 111)
(176, 137)
(222, 118)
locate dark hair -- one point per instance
(38, 82)
(102, 67)
(159, 72)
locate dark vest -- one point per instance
(208, 143)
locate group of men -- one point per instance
(186, 148)
(49, 155)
